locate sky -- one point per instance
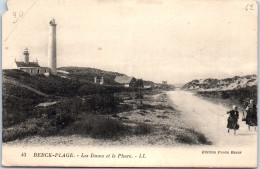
(157, 40)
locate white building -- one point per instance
(126, 81)
(30, 67)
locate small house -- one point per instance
(32, 68)
(126, 81)
(147, 86)
(164, 82)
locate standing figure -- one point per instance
(232, 119)
(251, 115)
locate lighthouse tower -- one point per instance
(52, 48)
(26, 56)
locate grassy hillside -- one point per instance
(86, 74)
(52, 85)
(77, 100)
(22, 92)
(210, 84)
(237, 90)
(58, 86)
(18, 104)
(237, 96)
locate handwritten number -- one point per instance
(21, 13)
(23, 154)
(17, 16)
(249, 7)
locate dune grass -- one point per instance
(190, 136)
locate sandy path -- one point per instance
(211, 119)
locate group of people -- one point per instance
(250, 117)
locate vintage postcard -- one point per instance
(130, 83)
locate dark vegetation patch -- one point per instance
(162, 116)
(152, 107)
(88, 125)
(18, 104)
(185, 138)
(190, 136)
(242, 96)
(17, 109)
(142, 129)
(99, 127)
(30, 127)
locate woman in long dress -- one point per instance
(233, 119)
(251, 115)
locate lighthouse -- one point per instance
(52, 47)
(26, 56)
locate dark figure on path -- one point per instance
(251, 115)
(232, 119)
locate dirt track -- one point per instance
(211, 119)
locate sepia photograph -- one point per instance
(130, 83)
